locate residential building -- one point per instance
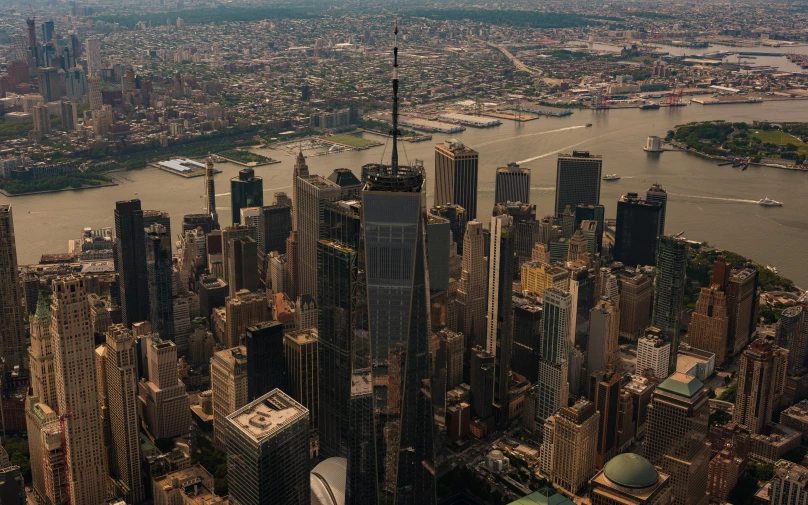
(788, 484)
(742, 308)
(761, 379)
(653, 354)
(243, 310)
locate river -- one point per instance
(706, 202)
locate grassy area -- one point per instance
(780, 138)
(352, 141)
(244, 156)
(75, 180)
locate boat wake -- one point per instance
(530, 135)
(562, 148)
(267, 190)
(715, 198)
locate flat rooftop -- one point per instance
(268, 415)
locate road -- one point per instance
(516, 61)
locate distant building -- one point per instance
(512, 184)
(246, 190)
(669, 292)
(578, 178)
(637, 231)
(456, 167)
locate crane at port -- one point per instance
(674, 98)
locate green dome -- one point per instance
(631, 470)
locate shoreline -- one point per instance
(12, 195)
(679, 147)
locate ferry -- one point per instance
(588, 125)
(611, 177)
(767, 202)
(649, 106)
(771, 268)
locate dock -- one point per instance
(466, 120)
(430, 126)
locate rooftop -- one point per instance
(268, 415)
(682, 385)
(544, 496)
(631, 470)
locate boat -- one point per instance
(767, 202)
(588, 125)
(649, 106)
(611, 177)
(771, 268)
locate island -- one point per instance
(246, 158)
(75, 180)
(781, 145)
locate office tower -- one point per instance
(553, 387)
(471, 292)
(512, 184)
(630, 479)
(312, 194)
(453, 346)
(267, 444)
(246, 190)
(243, 309)
(677, 436)
(278, 273)
(305, 313)
(458, 219)
(656, 194)
(41, 119)
(791, 333)
(266, 369)
(74, 367)
(637, 231)
(439, 237)
(228, 381)
(274, 224)
(300, 349)
(40, 355)
(41, 420)
(243, 264)
(160, 279)
(574, 440)
(130, 262)
(250, 217)
(609, 285)
(300, 172)
(228, 235)
(582, 289)
(94, 86)
(526, 338)
(456, 167)
(742, 308)
(342, 222)
(709, 324)
(499, 330)
(210, 193)
(578, 178)
(337, 283)
(761, 382)
(190, 484)
(93, 47)
(121, 388)
(788, 484)
(654, 354)
(49, 86)
(191, 222)
(165, 405)
(292, 283)
(12, 327)
(525, 228)
(212, 293)
(482, 372)
(595, 213)
(605, 392)
(669, 292)
(636, 292)
(536, 277)
(70, 115)
(603, 350)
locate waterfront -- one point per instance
(707, 202)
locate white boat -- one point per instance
(771, 268)
(611, 177)
(768, 202)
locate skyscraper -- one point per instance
(709, 324)
(582, 289)
(603, 350)
(243, 309)
(637, 231)
(636, 291)
(300, 350)
(228, 381)
(394, 228)
(578, 178)
(166, 410)
(300, 172)
(121, 387)
(553, 387)
(74, 367)
(243, 264)
(594, 213)
(49, 86)
(526, 337)
(669, 292)
(275, 224)
(161, 281)
(312, 194)
(12, 311)
(761, 382)
(96, 101)
(574, 443)
(605, 392)
(228, 235)
(40, 355)
(471, 292)
(267, 446)
(512, 184)
(742, 308)
(499, 330)
(456, 167)
(93, 47)
(70, 115)
(246, 190)
(130, 262)
(656, 194)
(677, 436)
(482, 372)
(266, 369)
(457, 218)
(210, 192)
(41, 119)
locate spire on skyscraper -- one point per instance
(394, 133)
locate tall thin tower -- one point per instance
(394, 230)
(210, 191)
(12, 326)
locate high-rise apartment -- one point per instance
(96, 101)
(637, 231)
(653, 353)
(74, 367)
(499, 329)
(246, 190)
(266, 369)
(228, 381)
(512, 184)
(788, 484)
(578, 177)
(677, 436)
(574, 444)
(709, 324)
(456, 167)
(121, 388)
(12, 327)
(130, 262)
(159, 268)
(761, 381)
(791, 332)
(670, 291)
(267, 443)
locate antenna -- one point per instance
(395, 133)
